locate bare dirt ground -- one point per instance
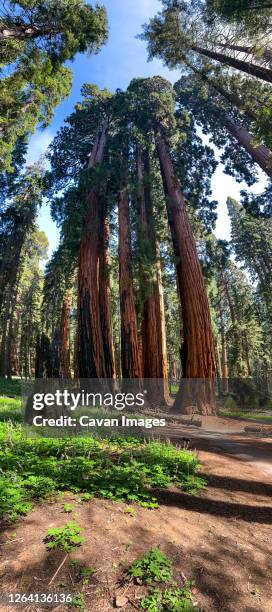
(220, 538)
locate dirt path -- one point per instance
(221, 538)
(228, 437)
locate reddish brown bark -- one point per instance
(198, 349)
(130, 357)
(65, 369)
(91, 359)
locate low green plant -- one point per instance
(131, 511)
(86, 574)
(78, 601)
(86, 497)
(65, 538)
(154, 566)
(31, 468)
(168, 601)
(68, 508)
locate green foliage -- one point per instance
(121, 470)
(68, 508)
(168, 601)
(37, 38)
(10, 408)
(65, 538)
(155, 566)
(78, 601)
(86, 573)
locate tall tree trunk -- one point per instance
(252, 69)
(105, 293)
(130, 358)
(65, 325)
(199, 359)
(153, 324)
(236, 337)
(91, 359)
(260, 154)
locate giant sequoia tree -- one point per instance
(116, 140)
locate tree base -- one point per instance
(196, 397)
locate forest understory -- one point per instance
(152, 195)
(220, 538)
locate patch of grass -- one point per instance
(11, 409)
(258, 416)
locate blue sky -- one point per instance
(123, 58)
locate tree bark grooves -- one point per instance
(252, 69)
(130, 357)
(91, 358)
(198, 349)
(65, 364)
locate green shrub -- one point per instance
(65, 538)
(230, 404)
(155, 566)
(168, 601)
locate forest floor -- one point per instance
(221, 537)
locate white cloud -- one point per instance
(38, 145)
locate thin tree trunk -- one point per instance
(199, 359)
(105, 294)
(65, 325)
(91, 359)
(22, 31)
(265, 74)
(260, 154)
(265, 53)
(130, 357)
(161, 320)
(218, 361)
(153, 324)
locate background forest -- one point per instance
(139, 285)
